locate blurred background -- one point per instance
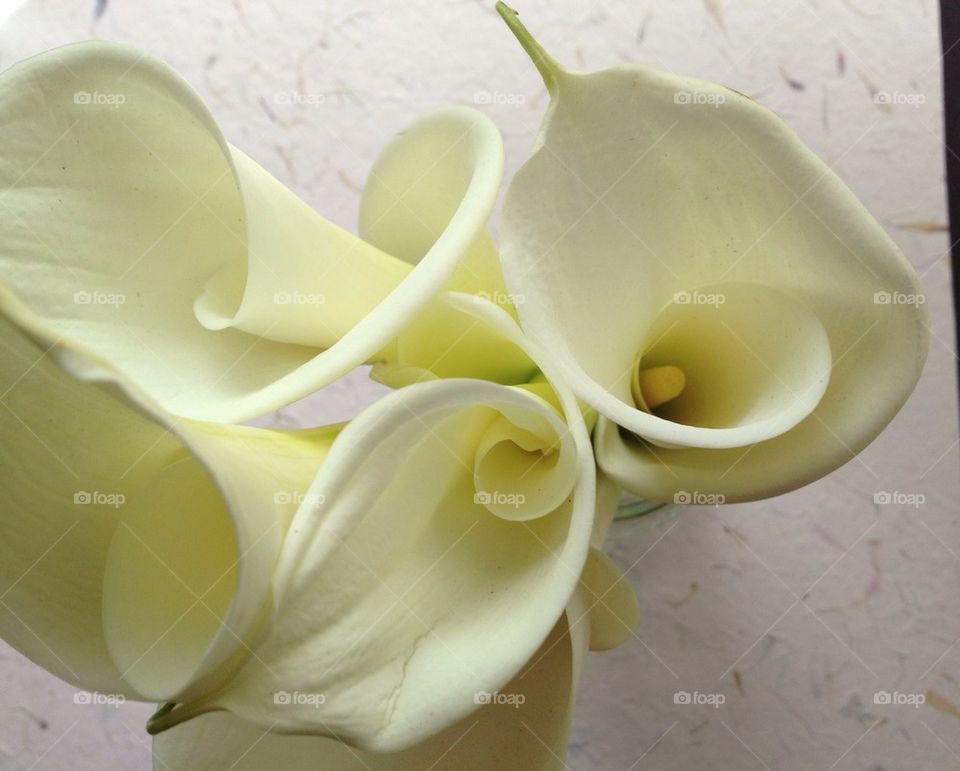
(801, 611)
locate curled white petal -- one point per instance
(524, 724)
(137, 550)
(133, 228)
(649, 191)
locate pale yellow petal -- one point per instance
(653, 200)
(137, 550)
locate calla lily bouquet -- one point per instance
(683, 303)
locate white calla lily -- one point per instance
(404, 589)
(128, 218)
(525, 725)
(136, 550)
(671, 235)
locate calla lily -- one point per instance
(706, 283)
(450, 525)
(135, 550)
(440, 341)
(404, 586)
(528, 729)
(131, 225)
(526, 726)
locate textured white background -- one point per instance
(797, 609)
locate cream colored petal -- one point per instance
(301, 279)
(697, 476)
(755, 364)
(603, 611)
(261, 478)
(336, 290)
(400, 594)
(614, 611)
(522, 470)
(124, 207)
(654, 199)
(449, 343)
(407, 204)
(530, 735)
(399, 375)
(608, 501)
(136, 551)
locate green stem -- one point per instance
(639, 508)
(170, 715)
(546, 64)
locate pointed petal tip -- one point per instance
(548, 67)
